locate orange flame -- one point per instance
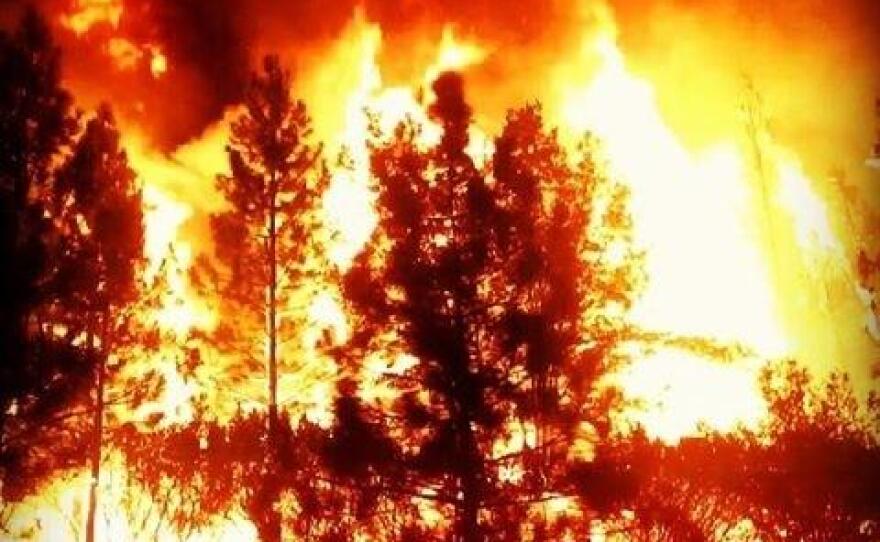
(715, 265)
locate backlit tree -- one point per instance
(266, 249)
(495, 281)
(97, 205)
(41, 371)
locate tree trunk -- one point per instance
(97, 443)
(469, 509)
(273, 518)
(467, 528)
(272, 324)
(3, 402)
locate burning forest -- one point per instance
(578, 270)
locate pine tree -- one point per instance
(487, 280)
(266, 247)
(40, 370)
(97, 205)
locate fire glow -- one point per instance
(730, 247)
(671, 187)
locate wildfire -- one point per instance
(706, 203)
(713, 262)
(684, 202)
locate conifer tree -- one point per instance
(40, 370)
(98, 208)
(266, 249)
(490, 279)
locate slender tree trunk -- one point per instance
(543, 383)
(3, 403)
(469, 512)
(97, 443)
(468, 526)
(272, 324)
(273, 517)
(11, 331)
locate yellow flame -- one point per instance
(88, 13)
(453, 55)
(158, 62)
(125, 54)
(707, 274)
(698, 213)
(679, 394)
(126, 513)
(166, 249)
(807, 210)
(712, 262)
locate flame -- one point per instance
(126, 54)
(698, 214)
(89, 13)
(679, 394)
(126, 512)
(713, 260)
(713, 264)
(348, 204)
(158, 62)
(453, 55)
(166, 248)
(683, 204)
(809, 213)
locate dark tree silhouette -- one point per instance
(266, 249)
(72, 230)
(213, 468)
(40, 369)
(810, 473)
(98, 208)
(491, 279)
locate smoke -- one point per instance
(814, 62)
(211, 46)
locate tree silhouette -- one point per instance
(494, 290)
(490, 280)
(265, 245)
(41, 370)
(809, 473)
(98, 208)
(812, 473)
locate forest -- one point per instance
(421, 334)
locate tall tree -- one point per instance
(40, 369)
(490, 279)
(98, 207)
(265, 244)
